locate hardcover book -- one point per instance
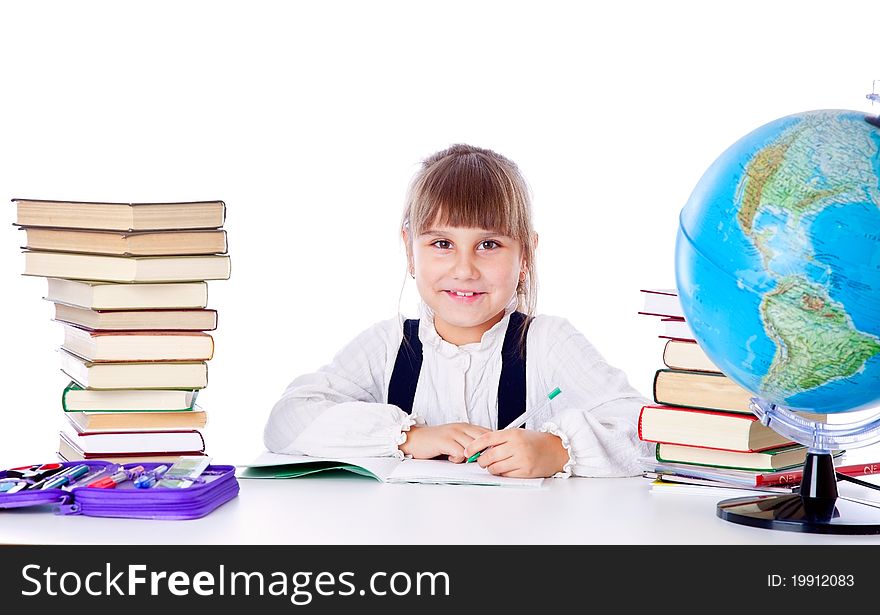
(144, 443)
(155, 375)
(120, 216)
(126, 268)
(141, 346)
(97, 422)
(661, 302)
(688, 356)
(77, 399)
(706, 428)
(677, 329)
(92, 295)
(119, 243)
(700, 390)
(128, 320)
(67, 452)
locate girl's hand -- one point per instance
(519, 453)
(424, 442)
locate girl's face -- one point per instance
(466, 276)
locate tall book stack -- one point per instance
(700, 421)
(129, 286)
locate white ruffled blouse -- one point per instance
(342, 411)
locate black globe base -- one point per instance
(790, 513)
(817, 509)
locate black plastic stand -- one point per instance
(816, 509)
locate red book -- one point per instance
(794, 476)
(107, 445)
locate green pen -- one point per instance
(522, 418)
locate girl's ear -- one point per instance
(406, 244)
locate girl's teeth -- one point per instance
(464, 294)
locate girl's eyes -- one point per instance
(489, 244)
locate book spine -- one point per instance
(665, 353)
(202, 438)
(654, 386)
(71, 385)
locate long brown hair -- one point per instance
(474, 187)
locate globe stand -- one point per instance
(817, 508)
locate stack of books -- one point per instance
(700, 422)
(129, 286)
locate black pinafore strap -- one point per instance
(511, 385)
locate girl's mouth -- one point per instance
(463, 296)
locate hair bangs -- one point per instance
(465, 191)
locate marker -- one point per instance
(134, 472)
(110, 482)
(522, 418)
(148, 479)
(44, 477)
(64, 478)
(88, 479)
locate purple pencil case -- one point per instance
(216, 486)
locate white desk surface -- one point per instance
(343, 510)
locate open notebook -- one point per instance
(384, 469)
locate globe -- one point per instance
(778, 261)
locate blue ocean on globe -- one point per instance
(778, 261)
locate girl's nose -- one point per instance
(465, 267)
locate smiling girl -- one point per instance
(447, 383)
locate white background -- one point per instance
(309, 119)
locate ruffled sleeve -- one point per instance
(338, 411)
(567, 469)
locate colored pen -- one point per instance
(47, 475)
(66, 477)
(94, 476)
(148, 479)
(522, 418)
(110, 482)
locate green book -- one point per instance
(75, 398)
